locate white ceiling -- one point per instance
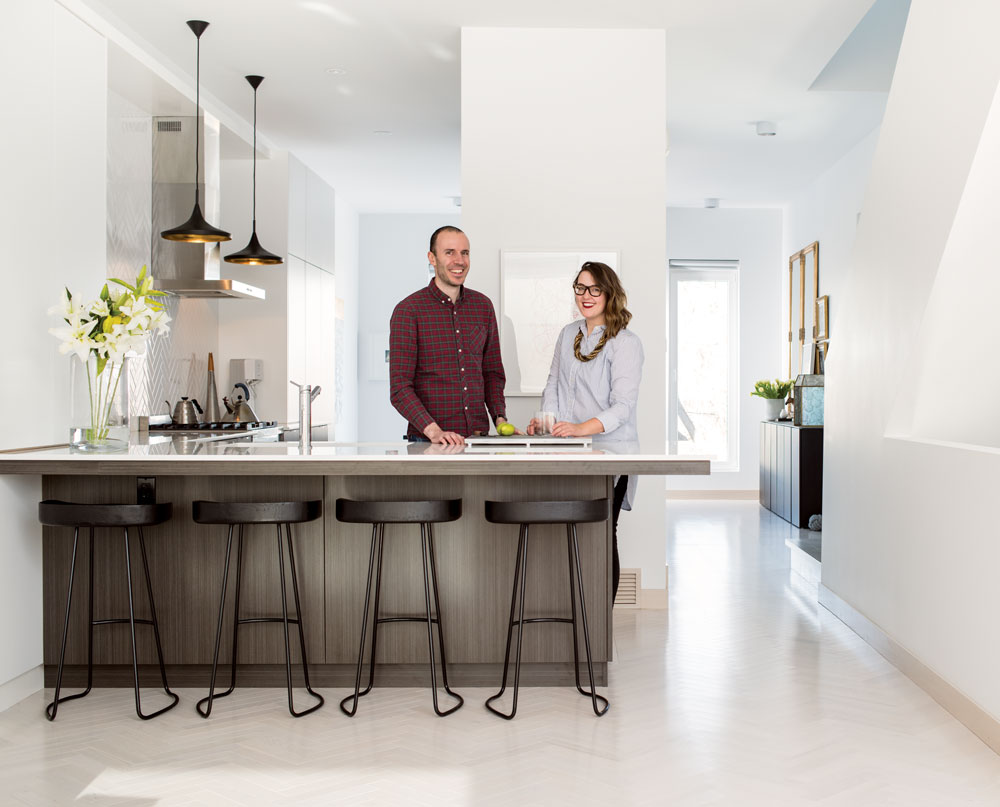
(729, 63)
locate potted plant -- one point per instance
(774, 394)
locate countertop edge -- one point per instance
(377, 466)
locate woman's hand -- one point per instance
(566, 429)
(533, 426)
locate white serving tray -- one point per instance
(524, 440)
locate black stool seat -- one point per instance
(427, 512)
(524, 514)
(256, 512)
(378, 514)
(53, 513)
(580, 512)
(241, 514)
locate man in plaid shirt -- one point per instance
(445, 370)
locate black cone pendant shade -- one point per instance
(253, 254)
(196, 230)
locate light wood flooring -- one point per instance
(745, 693)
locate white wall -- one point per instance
(54, 236)
(393, 264)
(257, 329)
(754, 238)
(348, 280)
(564, 146)
(827, 210)
(909, 535)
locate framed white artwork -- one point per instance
(536, 302)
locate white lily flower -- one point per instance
(99, 308)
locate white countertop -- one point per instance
(227, 458)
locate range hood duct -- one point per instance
(188, 270)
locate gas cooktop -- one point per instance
(214, 427)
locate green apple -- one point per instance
(506, 429)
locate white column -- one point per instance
(53, 226)
(564, 146)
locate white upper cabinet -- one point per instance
(297, 208)
(319, 222)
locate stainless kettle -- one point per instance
(238, 410)
(186, 412)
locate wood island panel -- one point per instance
(475, 563)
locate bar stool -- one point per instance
(524, 514)
(53, 513)
(241, 514)
(378, 514)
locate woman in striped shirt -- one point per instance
(593, 384)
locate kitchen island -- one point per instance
(475, 559)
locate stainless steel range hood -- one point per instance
(188, 270)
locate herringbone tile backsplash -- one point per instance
(175, 364)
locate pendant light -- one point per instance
(253, 254)
(196, 230)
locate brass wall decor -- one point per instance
(822, 318)
(803, 285)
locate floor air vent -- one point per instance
(628, 589)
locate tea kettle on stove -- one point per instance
(239, 410)
(186, 411)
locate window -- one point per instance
(703, 362)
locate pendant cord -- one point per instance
(255, 159)
(197, 119)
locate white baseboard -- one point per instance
(804, 564)
(655, 599)
(742, 495)
(17, 689)
(963, 709)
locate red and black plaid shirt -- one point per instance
(444, 362)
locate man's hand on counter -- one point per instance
(436, 434)
(440, 449)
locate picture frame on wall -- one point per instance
(803, 290)
(822, 318)
(536, 303)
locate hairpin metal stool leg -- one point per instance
(132, 623)
(53, 708)
(571, 542)
(204, 706)
(376, 572)
(427, 551)
(298, 621)
(520, 569)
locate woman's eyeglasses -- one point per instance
(579, 289)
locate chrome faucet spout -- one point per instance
(307, 395)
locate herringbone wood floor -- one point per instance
(745, 693)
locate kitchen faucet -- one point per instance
(307, 395)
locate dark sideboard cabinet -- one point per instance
(791, 470)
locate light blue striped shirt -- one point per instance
(606, 387)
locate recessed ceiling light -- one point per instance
(336, 71)
(382, 132)
(766, 128)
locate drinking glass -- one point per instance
(544, 421)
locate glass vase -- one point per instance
(99, 408)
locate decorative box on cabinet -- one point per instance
(791, 470)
